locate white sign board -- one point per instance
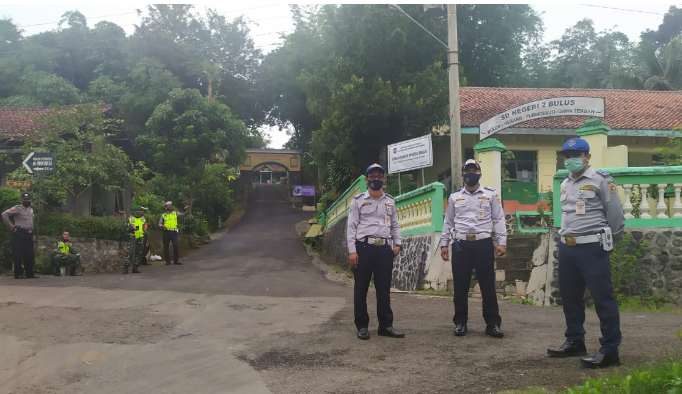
(545, 108)
(411, 154)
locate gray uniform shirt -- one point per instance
(368, 217)
(23, 217)
(462, 215)
(598, 191)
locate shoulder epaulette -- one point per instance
(389, 196)
(358, 196)
(604, 173)
(492, 189)
(457, 191)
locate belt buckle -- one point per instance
(570, 241)
(378, 241)
(471, 237)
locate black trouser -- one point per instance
(478, 255)
(170, 236)
(145, 252)
(588, 265)
(22, 250)
(377, 260)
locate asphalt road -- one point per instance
(250, 314)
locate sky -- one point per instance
(270, 20)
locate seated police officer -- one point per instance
(65, 255)
(473, 213)
(592, 221)
(372, 228)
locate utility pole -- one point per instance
(453, 76)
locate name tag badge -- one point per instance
(580, 207)
(481, 214)
(388, 220)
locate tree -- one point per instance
(652, 69)
(84, 158)
(50, 88)
(147, 86)
(586, 59)
(669, 29)
(492, 38)
(187, 130)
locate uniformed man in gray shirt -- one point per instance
(473, 214)
(592, 221)
(22, 236)
(373, 236)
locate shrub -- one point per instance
(106, 227)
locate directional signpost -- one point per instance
(40, 163)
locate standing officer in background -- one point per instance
(134, 226)
(147, 243)
(372, 228)
(591, 223)
(473, 214)
(22, 236)
(169, 224)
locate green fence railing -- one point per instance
(658, 187)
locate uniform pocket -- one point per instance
(367, 210)
(587, 194)
(460, 204)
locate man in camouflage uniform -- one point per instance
(65, 255)
(147, 243)
(134, 226)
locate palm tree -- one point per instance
(651, 69)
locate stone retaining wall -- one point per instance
(100, 256)
(661, 265)
(409, 268)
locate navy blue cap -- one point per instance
(375, 166)
(471, 162)
(26, 195)
(577, 144)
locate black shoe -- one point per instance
(569, 349)
(167, 262)
(363, 334)
(135, 270)
(601, 360)
(33, 277)
(390, 332)
(460, 330)
(20, 277)
(125, 270)
(494, 331)
(177, 263)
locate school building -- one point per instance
(636, 122)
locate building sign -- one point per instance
(545, 108)
(42, 162)
(18, 184)
(304, 191)
(410, 155)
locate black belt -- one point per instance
(375, 241)
(23, 231)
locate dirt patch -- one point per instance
(430, 359)
(48, 326)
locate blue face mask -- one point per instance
(574, 165)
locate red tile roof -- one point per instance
(18, 122)
(625, 109)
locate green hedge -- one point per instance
(106, 227)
